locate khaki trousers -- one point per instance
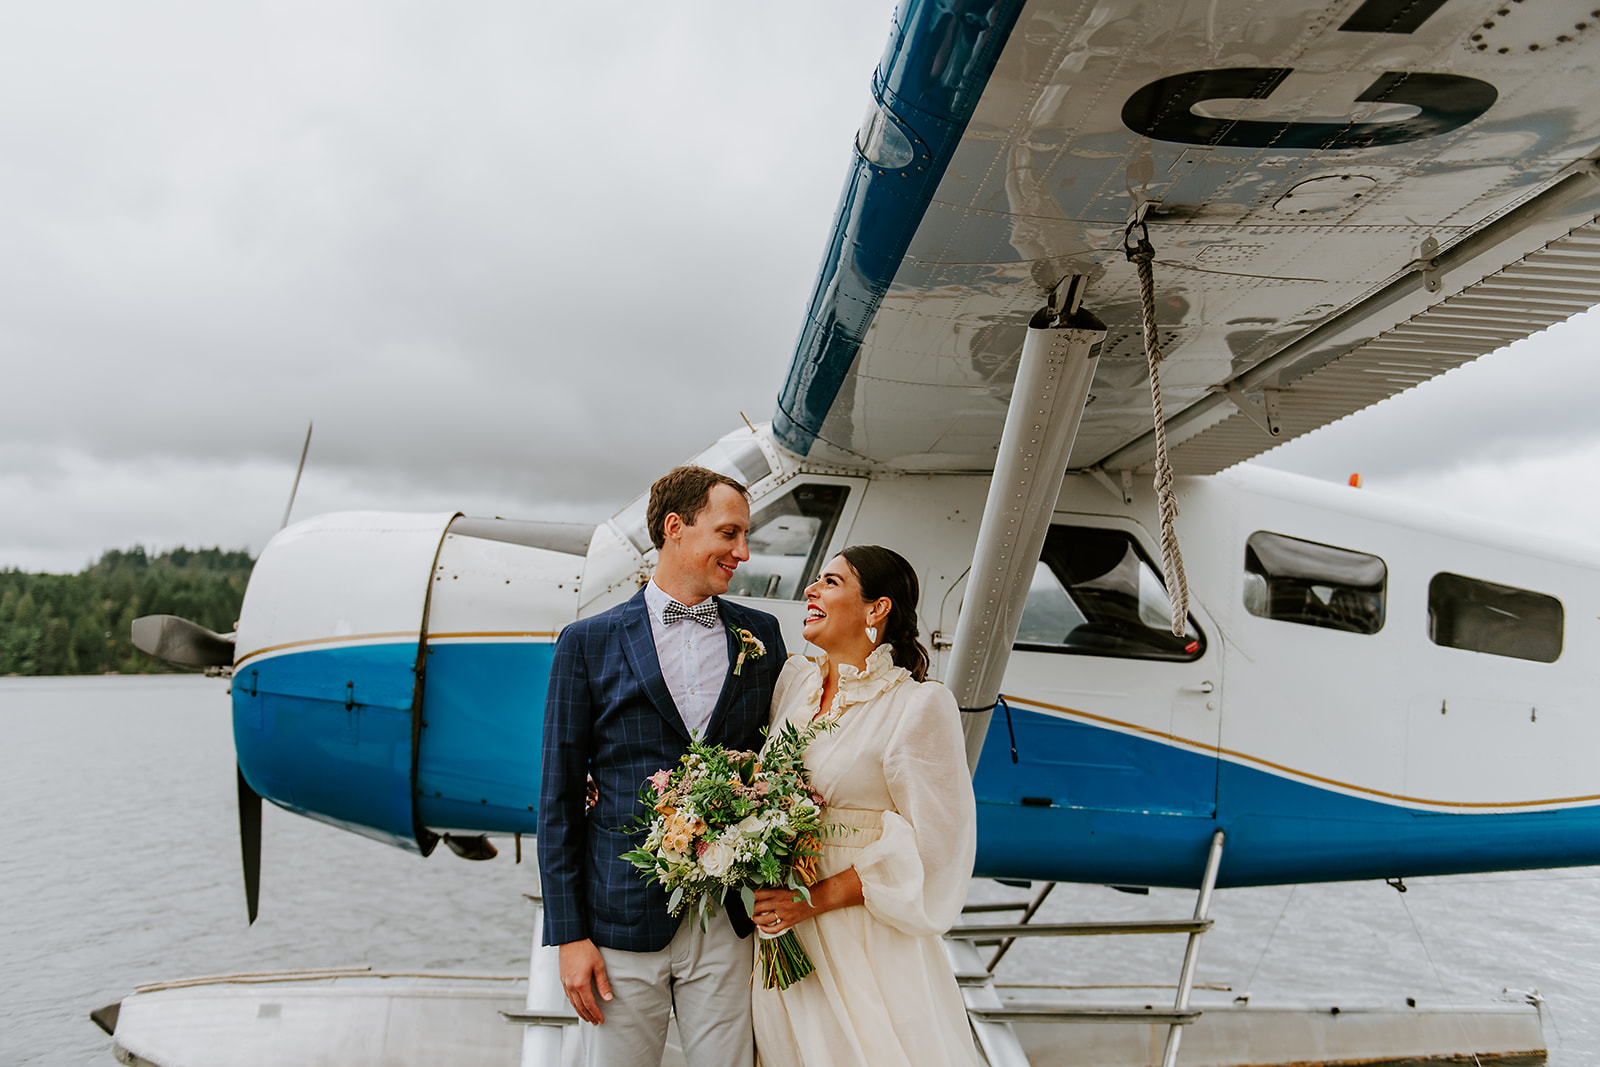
(702, 975)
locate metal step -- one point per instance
(997, 1040)
(991, 931)
(540, 1018)
(1018, 1012)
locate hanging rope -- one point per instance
(1449, 1002)
(1141, 254)
(1249, 983)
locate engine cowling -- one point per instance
(391, 670)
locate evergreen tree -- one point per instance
(80, 623)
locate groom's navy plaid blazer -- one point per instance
(610, 715)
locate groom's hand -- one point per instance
(583, 972)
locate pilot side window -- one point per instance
(787, 539)
(1313, 584)
(1501, 620)
(1094, 592)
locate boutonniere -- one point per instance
(750, 647)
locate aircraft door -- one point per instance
(1109, 712)
(792, 533)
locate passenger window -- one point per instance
(1501, 620)
(1093, 592)
(1312, 584)
(787, 539)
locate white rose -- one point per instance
(750, 824)
(717, 858)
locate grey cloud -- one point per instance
(513, 259)
(505, 252)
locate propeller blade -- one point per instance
(250, 842)
(297, 472)
(249, 799)
(181, 642)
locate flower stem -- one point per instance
(783, 961)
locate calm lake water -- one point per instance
(123, 867)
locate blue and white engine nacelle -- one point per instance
(390, 670)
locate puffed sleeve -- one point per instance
(914, 877)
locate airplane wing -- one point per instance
(1345, 199)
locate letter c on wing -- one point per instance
(1163, 110)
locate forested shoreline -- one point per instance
(80, 623)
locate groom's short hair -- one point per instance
(685, 491)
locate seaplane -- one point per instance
(1090, 256)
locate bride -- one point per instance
(893, 874)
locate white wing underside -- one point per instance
(1292, 277)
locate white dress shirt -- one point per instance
(694, 660)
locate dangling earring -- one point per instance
(872, 634)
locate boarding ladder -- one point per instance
(992, 1018)
(548, 1017)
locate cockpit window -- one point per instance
(1094, 593)
(1312, 584)
(1501, 620)
(737, 456)
(787, 540)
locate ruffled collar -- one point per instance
(858, 685)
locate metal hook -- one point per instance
(1130, 248)
(1013, 733)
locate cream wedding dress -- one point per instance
(894, 773)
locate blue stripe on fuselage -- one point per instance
(1118, 815)
(938, 61)
(1122, 808)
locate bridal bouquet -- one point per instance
(726, 819)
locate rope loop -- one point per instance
(1140, 249)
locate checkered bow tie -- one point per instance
(704, 613)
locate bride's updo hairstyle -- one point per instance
(886, 573)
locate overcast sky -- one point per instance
(498, 252)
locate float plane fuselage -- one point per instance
(1334, 202)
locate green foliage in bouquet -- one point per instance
(729, 819)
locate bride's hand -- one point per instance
(780, 909)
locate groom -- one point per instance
(628, 689)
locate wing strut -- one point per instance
(1053, 378)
